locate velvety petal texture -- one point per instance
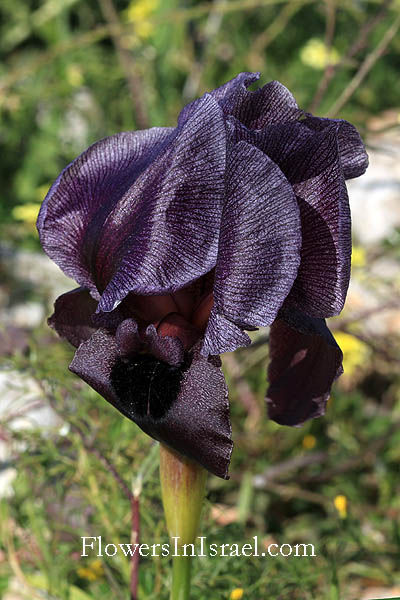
(185, 407)
(183, 239)
(304, 362)
(72, 318)
(163, 234)
(353, 157)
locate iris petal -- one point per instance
(78, 202)
(273, 103)
(311, 161)
(222, 335)
(304, 362)
(185, 408)
(163, 234)
(259, 246)
(227, 95)
(72, 318)
(236, 85)
(353, 156)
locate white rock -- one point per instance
(22, 406)
(27, 314)
(375, 196)
(7, 477)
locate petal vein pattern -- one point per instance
(79, 201)
(259, 245)
(312, 162)
(163, 233)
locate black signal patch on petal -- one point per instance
(146, 386)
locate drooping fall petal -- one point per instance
(304, 362)
(185, 407)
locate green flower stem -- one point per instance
(181, 573)
(183, 484)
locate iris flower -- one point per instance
(182, 239)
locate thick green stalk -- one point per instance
(182, 486)
(181, 574)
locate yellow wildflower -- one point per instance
(139, 13)
(26, 212)
(309, 442)
(93, 571)
(74, 75)
(236, 594)
(358, 257)
(315, 54)
(340, 503)
(355, 352)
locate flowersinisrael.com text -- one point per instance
(97, 547)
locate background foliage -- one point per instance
(72, 72)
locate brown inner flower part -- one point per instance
(183, 314)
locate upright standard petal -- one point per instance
(185, 407)
(78, 203)
(273, 103)
(321, 286)
(233, 92)
(304, 362)
(163, 233)
(310, 159)
(227, 95)
(353, 156)
(259, 247)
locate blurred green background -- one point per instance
(72, 72)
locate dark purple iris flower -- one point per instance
(183, 238)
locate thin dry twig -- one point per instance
(378, 349)
(365, 458)
(275, 472)
(127, 63)
(89, 447)
(16, 567)
(356, 47)
(88, 38)
(106, 463)
(292, 491)
(329, 69)
(135, 533)
(264, 39)
(364, 69)
(213, 24)
(360, 317)
(246, 396)
(132, 496)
